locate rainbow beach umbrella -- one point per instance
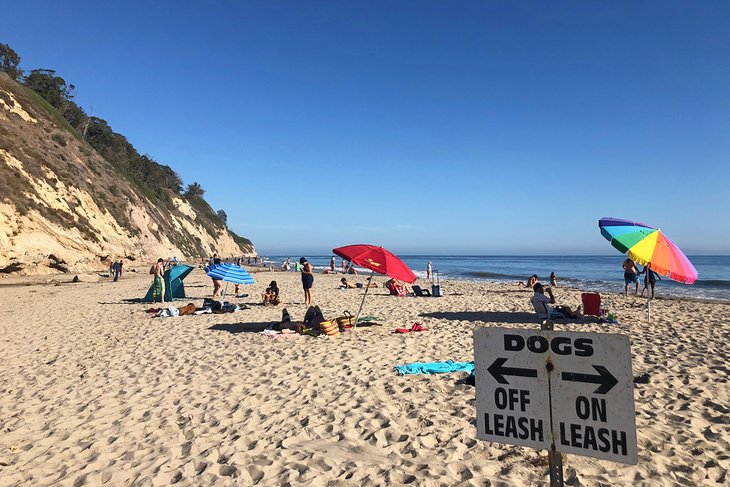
(645, 244)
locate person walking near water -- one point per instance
(158, 281)
(631, 275)
(429, 270)
(649, 280)
(307, 280)
(553, 280)
(332, 264)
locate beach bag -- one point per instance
(329, 328)
(348, 319)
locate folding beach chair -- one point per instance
(421, 293)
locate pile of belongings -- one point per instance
(209, 306)
(314, 323)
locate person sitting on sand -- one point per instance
(397, 288)
(271, 295)
(531, 281)
(542, 303)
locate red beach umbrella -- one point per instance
(377, 259)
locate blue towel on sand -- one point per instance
(434, 367)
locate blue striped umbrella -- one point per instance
(230, 273)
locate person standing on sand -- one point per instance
(332, 264)
(429, 270)
(217, 283)
(649, 280)
(631, 275)
(117, 271)
(553, 280)
(307, 280)
(344, 266)
(158, 281)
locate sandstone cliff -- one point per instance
(64, 208)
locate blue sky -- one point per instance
(426, 127)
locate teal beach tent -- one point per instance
(174, 287)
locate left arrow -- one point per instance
(498, 371)
(604, 377)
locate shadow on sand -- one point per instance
(485, 316)
(240, 327)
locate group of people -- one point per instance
(116, 268)
(631, 276)
(533, 279)
(543, 299)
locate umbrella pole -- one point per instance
(362, 303)
(647, 285)
(648, 307)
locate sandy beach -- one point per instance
(95, 391)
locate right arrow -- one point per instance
(604, 377)
(498, 371)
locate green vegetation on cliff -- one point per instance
(44, 90)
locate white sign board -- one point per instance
(539, 388)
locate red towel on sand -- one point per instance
(415, 327)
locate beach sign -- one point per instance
(566, 391)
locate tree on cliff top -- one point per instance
(9, 61)
(223, 217)
(195, 189)
(51, 87)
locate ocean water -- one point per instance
(600, 273)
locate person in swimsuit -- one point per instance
(307, 280)
(357, 285)
(631, 275)
(649, 280)
(217, 283)
(531, 281)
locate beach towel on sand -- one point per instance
(434, 367)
